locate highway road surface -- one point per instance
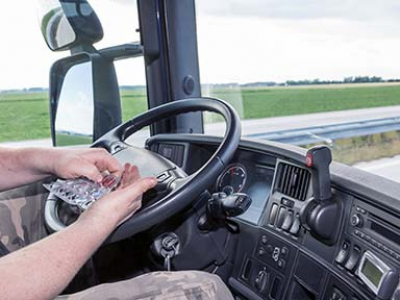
(386, 167)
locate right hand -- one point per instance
(121, 204)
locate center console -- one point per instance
(280, 259)
(369, 256)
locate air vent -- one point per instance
(293, 181)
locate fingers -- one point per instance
(121, 204)
(139, 187)
(131, 174)
(105, 161)
(88, 170)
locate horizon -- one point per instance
(315, 81)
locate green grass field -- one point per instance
(26, 115)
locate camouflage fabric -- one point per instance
(22, 223)
(21, 216)
(184, 285)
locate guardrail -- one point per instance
(299, 136)
(329, 133)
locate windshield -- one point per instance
(303, 73)
(308, 72)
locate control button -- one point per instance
(269, 249)
(163, 176)
(281, 263)
(361, 210)
(287, 224)
(352, 262)
(272, 216)
(261, 251)
(287, 202)
(341, 257)
(356, 220)
(295, 226)
(281, 217)
(284, 251)
(337, 295)
(261, 281)
(264, 239)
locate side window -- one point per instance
(25, 63)
(132, 86)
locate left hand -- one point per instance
(119, 205)
(90, 163)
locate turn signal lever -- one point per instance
(221, 207)
(321, 214)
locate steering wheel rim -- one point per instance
(186, 190)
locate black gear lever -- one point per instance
(321, 215)
(221, 207)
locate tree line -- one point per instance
(351, 79)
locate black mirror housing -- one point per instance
(106, 98)
(70, 24)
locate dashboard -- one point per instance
(251, 177)
(277, 255)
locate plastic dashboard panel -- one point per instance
(288, 266)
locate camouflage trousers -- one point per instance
(181, 285)
(22, 223)
(21, 216)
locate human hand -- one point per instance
(116, 207)
(90, 163)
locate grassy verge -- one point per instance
(365, 148)
(26, 115)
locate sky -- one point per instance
(239, 40)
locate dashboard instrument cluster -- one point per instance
(250, 177)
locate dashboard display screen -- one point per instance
(258, 187)
(372, 273)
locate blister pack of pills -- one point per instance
(82, 192)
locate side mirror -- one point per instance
(84, 99)
(67, 24)
(76, 102)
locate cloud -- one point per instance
(305, 9)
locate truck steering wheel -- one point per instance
(179, 188)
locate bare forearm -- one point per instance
(22, 166)
(43, 270)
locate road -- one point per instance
(387, 167)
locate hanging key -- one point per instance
(166, 246)
(167, 263)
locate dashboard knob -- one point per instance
(356, 220)
(261, 281)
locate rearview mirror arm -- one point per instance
(122, 51)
